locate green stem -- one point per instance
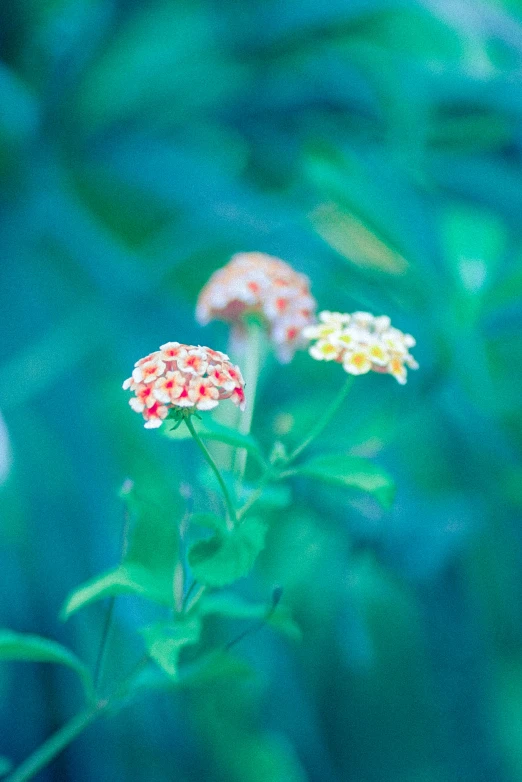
(323, 421)
(197, 597)
(265, 478)
(56, 743)
(252, 354)
(231, 511)
(98, 667)
(277, 470)
(188, 595)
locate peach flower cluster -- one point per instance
(258, 283)
(183, 376)
(362, 342)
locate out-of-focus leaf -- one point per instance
(474, 241)
(350, 472)
(5, 766)
(153, 538)
(33, 648)
(376, 201)
(165, 640)
(493, 183)
(164, 55)
(274, 497)
(224, 558)
(209, 429)
(347, 234)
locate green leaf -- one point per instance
(33, 648)
(351, 472)
(165, 640)
(209, 429)
(133, 72)
(154, 535)
(5, 766)
(125, 579)
(149, 562)
(226, 557)
(234, 607)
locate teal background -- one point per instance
(376, 146)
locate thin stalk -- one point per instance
(100, 659)
(277, 471)
(265, 478)
(56, 743)
(98, 667)
(197, 597)
(323, 421)
(188, 595)
(231, 511)
(253, 354)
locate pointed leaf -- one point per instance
(165, 640)
(351, 472)
(125, 579)
(33, 648)
(224, 558)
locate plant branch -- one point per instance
(323, 421)
(98, 667)
(56, 743)
(231, 511)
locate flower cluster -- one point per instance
(261, 284)
(183, 376)
(362, 342)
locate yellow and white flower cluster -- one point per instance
(362, 342)
(183, 376)
(261, 284)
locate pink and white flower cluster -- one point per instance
(258, 283)
(362, 342)
(183, 376)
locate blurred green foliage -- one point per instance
(376, 146)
